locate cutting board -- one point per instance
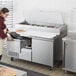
(5, 71)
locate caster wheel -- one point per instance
(51, 68)
(65, 71)
(12, 59)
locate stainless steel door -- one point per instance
(42, 52)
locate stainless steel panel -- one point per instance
(25, 54)
(13, 46)
(42, 52)
(70, 55)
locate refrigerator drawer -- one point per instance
(25, 54)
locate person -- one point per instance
(4, 32)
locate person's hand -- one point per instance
(5, 30)
(9, 38)
(8, 32)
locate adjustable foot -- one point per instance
(51, 68)
(12, 59)
(65, 71)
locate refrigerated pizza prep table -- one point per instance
(44, 41)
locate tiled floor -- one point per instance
(57, 71)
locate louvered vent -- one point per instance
(13, 54)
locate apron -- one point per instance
(1, 46)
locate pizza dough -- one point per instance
(20, 30)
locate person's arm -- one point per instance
(9, 37)
(6, 30)
(2, 34)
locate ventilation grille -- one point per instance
(13, 54)
(8, 4)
